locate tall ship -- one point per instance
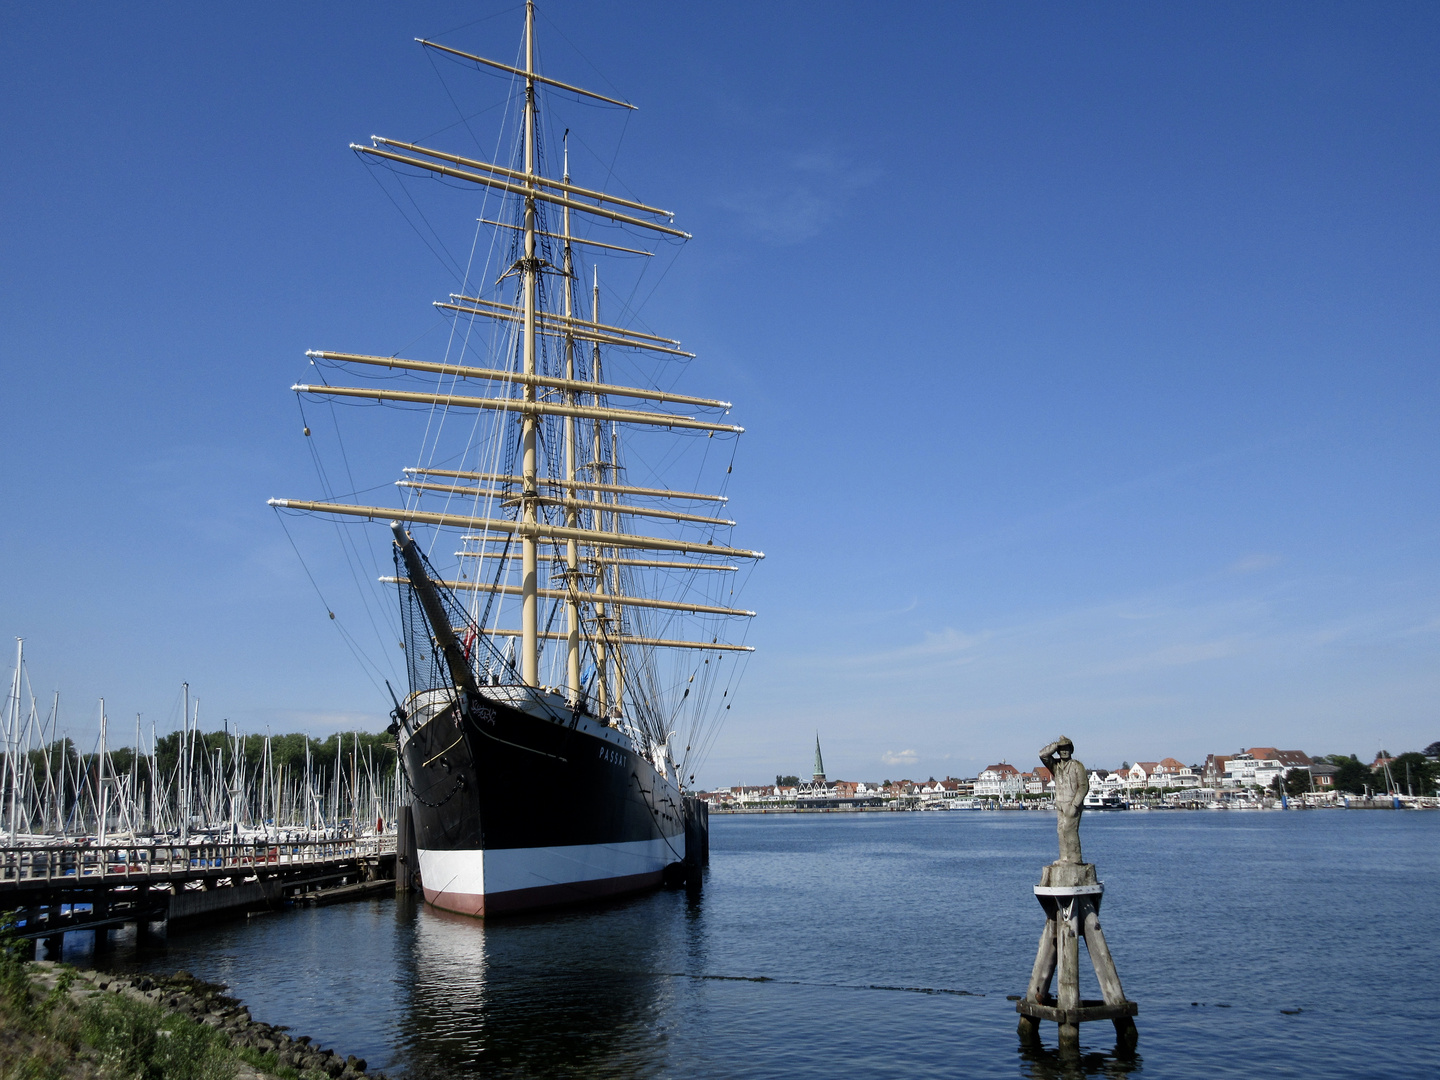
(564, 566)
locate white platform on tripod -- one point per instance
(1070, 890)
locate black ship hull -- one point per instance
(525, 805)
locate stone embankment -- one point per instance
(206, 1003)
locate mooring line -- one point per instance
(800, 982)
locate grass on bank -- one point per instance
(48, 1035)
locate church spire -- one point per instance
(819, 776)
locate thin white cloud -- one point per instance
(1250, 564)
(902, 757)
(1169, 656)
(803, 196)
(936, 648)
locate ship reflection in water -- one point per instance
(572, 993)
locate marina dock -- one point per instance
(67, 888)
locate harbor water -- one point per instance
(885, 944)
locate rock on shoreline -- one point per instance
(208, 1004)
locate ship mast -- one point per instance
(589, 535)
(597, 523)
(572, 514)
(529, 581)
(617, 619)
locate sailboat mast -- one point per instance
(12, 736)
(135, 789)
(185, 767)
(530, 600)
(104, 791)
(572, 513)
(355, 784)
(50, 796)
(308, 796)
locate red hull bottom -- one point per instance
(515, 901)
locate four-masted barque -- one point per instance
(563, 680)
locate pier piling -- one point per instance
(1070, 894)
(407, 861)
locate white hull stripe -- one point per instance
(476, 873)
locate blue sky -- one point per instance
(1087, 354)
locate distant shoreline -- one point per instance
(1356, 804)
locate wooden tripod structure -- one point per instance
(1071, 895)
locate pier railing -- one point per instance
(141, 862)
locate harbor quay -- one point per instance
(59, 888)
(1260, 777)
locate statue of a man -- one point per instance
(1072, 784)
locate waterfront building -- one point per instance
(1139, 774)
(1261, 765)
(1246, 770)
(1038, 782)
(1167, 773)
(938, 791)
(1290, 759)
(1000, 781)
(757, 795)
(1185, 778)
(1216, 765)
(1166, 768)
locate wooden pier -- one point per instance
(78, 887)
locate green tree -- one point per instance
(1297, 782)
(1351, 774)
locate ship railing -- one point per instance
(147, 862)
